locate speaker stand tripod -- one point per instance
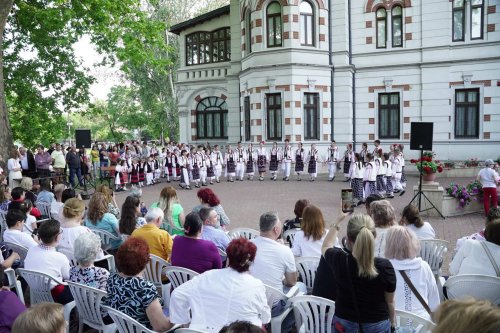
(421, 194)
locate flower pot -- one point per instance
(429, 177)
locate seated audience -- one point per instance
(198, 302)
(402, 248)
(208, 198)
(98, 217)
(384, 217)
(4, 198)
(44, 258)
(68, 194)
(10, 306)
(87, 248)
(466, 316)
(298, 209)
(45, 195)
(15, 222)
(172, 209)
(27, 185)
(130, 217)
(72, 227)
(371, 198)
(210, 232)
(30, 223)
(109, 196)
(493, 214)
(410, 217)
(192, 252)
(57, 204)
(308, 241)
(41, 318)
(357, 273)
(17, 197)
(130, 293)
(158, 240)
(241, 327)
(479, 257)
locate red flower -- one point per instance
(428, 169)
(413, 161)
(440, 169)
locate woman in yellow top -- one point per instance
(94, 154)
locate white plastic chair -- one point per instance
(154, 271)
(188, 330)
(88, 303)
(474, 285)
(179, 275)
(274, 296)
(313, 314)
(433, 252)
(44, 208)
(306, 267)
(14, 283)
(124, 323)
(416, 323)
(247, 233)
(106, 238)
(19, 249)
(40, 287)
(110, 259)
(3, 224)
(289, 235)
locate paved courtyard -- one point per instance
(245, 201)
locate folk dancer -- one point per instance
(380, 169)
(363, 152)
(150, 165)
(134, 172)
(286, 160)
(370, 176)
(349, 158)
(167, 165)
(273, 161)
(388, 176)
(357, 174)
(332, 160)
(403, 174)
(157, 168)
(376, 143)
(194, 172)
(176, 167)
(312, 163)
(230, 161)
(142, 171)
(202, 165)
(184, 164)
(217, 161)
(261, 160)
(240, 162)
(207, 157)
(119, 177)
(249, 161)
(396, 171)
(299, 160)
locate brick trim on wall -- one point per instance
(320, 3)
(260, 3)
(371, 6)
(492, 9)
(486, 83)
(405, 87)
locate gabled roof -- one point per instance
(176, 29)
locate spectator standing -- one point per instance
(43, 162)
(15, 170)
(103, 158)
(27, 162)
(159, 241)
(210, 232)
(488, 179)
(58, 163)
(94, 156)
(74, 165)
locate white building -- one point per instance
(270, 69)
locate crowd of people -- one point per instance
(369, 273)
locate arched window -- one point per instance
(306, 23)
(211, 118)
(397, 26)
(274, 26)
(381, 28)
(249, 30)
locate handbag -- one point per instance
(490, 256)
(415, 291)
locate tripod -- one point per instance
(420, 193)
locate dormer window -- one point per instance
(208, 47)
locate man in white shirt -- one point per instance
(15, 222)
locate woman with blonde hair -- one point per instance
(27, 185)
(98, 217)
(41, 318)
(365, 285)
(308, 240)
(402, 249)
(172, 209)
(110, 199)
(384, 216)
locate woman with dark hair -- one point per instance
(130, 293)
(190, 251)
(68, 194)
(4, 198)
(197, 302)
(208, 198)
(130, 217)
(298, 209)
(241, 327)
(410, 217)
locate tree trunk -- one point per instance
(5, 131)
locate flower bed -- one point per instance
(465, 194)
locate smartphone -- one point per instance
(347, 204)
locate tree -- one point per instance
(39, 73)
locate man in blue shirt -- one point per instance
(210, 232)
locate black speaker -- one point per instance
(82, 137)
(421, 136)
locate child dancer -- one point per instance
(217, 161)
(240, 162)
(312, 161)
(403, 175)
(149, 168)
(370, 176)
(363, 152)
(299, 160)
(396, 171)
(157, 169)
(332, 160)
(273, 161)
(388, 176)
(286, 160)
(176, 168)
(356, 176)
(142, 171)
(249, 161)
(261, 160)
(118, 176)
(167, 165)
(210, 165)
(134, 172)
(184, 164)
(230, 164)
(348, 160)
(380, 169)
(202, 165)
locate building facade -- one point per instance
(352, 71)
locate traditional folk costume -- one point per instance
(299, 162)
(388, 179)
(210, 168)
(156, 170)
(240, 163)
(312, 164)
(176, 167)
(380, 169)
(396, 173)
(217, 161)
(369, 178)
(403, 175)
(149, 168)
(261, 162)
(249, 162)
(273, 162)
(230, 161)
(167, 166)
(362, 154)
(142, 172)
(357, 174)
(286, 161)
(134, 174)
(118, 178)
(202, 166)
(184, 164)
(332, 160)
(349, 158)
